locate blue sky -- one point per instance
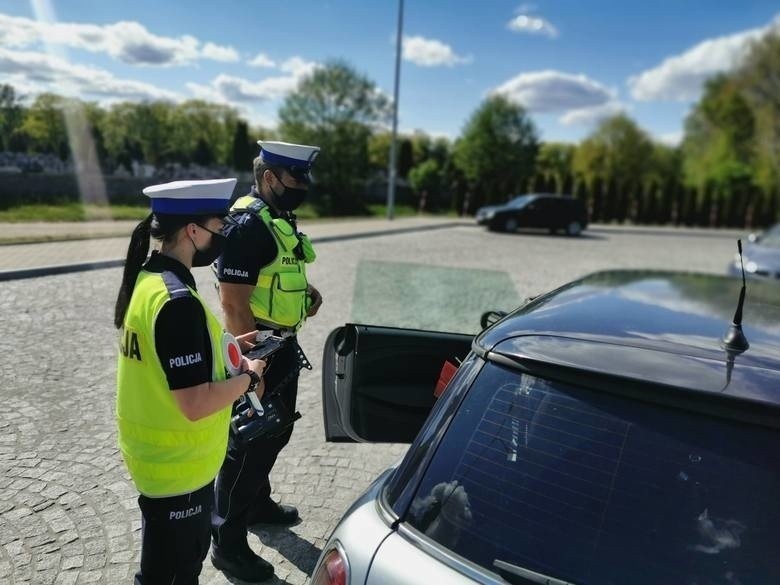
(568, 62)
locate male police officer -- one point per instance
(263, 286)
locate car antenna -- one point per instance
(735, 340)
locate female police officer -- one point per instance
(173, 398)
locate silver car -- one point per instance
(761, 255)
(603, 433)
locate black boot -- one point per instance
(273, 514)
(246, 565)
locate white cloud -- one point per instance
(298, 67)
(220, 53)
(433, 134)
(592, 115)
(132, 43)
(243, 90)
(680, 78)
(524, 23)
(261, 60)
(671, 138)
(555, 91)
(431, 53)
(233, 90)
(245, 109)
(45, 72)
(127, 41)
(206, 93)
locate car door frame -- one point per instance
(353, 400)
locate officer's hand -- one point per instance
(258, 367)
(247, 340)
(316, 301)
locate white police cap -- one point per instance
(296, 158)
(209, 197)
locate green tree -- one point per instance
(719, 148)
(497, 150)
(426, 181)
(663, 186)
(619, 152)
(554, 162)
(759, 79)
(422, 147)
(148, 129)
(379, 150)
(11, 115)
(590, 170)
(94, 118)
(243, 147)
(200, 126)
(440, 150)
(44, 125)
(405, 157)
(337, 109)
(203, 154)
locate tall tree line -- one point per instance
(155, 132)
(725, 172)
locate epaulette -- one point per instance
(255, 207)
(176, 288)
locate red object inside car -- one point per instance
(447, 372)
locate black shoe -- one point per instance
(246, 566)
(274, 514)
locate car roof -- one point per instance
(657, 327)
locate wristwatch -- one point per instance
(254, 380)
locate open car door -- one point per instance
(378, 382)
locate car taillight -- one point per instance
(333, 569)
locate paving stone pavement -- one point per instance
(68, 512)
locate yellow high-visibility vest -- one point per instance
(280, 293)
(166, 453)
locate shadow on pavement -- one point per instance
(272, 581)
(298, 551)
(587, 235)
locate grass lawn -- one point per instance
(80, 212)
(72, 212)
(76, 212)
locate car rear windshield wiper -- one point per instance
(521, 576)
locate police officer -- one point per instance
(173, 396)
(263, 285)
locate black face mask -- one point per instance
(290, 198)
(207, 256)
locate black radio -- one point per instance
(267, 416)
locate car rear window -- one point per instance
(588, 487)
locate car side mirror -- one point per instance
(490, 317)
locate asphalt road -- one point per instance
(68, 511)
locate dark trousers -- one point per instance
(242, 486)
(174, 537)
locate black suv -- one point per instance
(541, 211)
(599, 434)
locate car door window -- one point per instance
(545, 210)
(403, 483)
(592, 488)
(540, 212)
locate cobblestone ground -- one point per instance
(68, 511)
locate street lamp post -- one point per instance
(391, 171)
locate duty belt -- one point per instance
(263, 334)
